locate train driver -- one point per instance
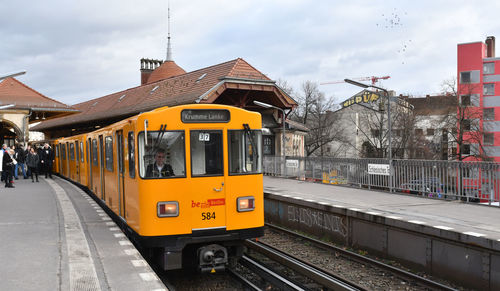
(159, 169)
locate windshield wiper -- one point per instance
(248, 132)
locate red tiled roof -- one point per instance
(166, 70)
(181, 89)
(23, 97)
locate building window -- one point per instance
(430, 131)
(466, 124)
(489, 113)
(444, 135)
(465, 77)
(268, 145)
(466, 149)
(488, 68)
(375, 132)
(419, 131)
(465, 100)
(489, 139)
(489, 89)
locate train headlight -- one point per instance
(246, 203)
(168, 209)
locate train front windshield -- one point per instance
(245, 152)
(163, 155)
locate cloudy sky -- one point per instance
(74, 51)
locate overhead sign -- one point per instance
(363, 97)
(379, 169)
(205, 115)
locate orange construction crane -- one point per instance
(373, 79)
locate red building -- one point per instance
(478, 76)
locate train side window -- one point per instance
(163, 156)
(245, 151)
(131, 154)
(57, 151)
(109, 153)
(94, 152)
(63, 151)
(87, 144)
(71, 151)
(206, 153)
(82, 159)
(77, 151)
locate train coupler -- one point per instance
(212, 258)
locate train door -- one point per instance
(101, 166)
(77, 161)
(120, 173)
(207, 183)
(89, 163)
(68, 169)
(83, 177)
(60, 160)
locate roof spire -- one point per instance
(169, 47)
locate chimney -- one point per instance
(147, 67)
(490, 47)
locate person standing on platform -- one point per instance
(20, 157)
(2, 150)
(47, 159)
(26, 153)
(33, 160)
(8, 167)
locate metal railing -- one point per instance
(451, 180)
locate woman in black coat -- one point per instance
(33, 160)
(8, 167)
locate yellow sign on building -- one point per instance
(363, 97)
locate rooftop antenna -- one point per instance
(169, 47)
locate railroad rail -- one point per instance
(362, 259)
(321, 277)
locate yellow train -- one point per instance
(185, 182)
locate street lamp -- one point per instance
(12, 75)
(389, 125)
(265, 105)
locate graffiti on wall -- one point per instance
(314, 218)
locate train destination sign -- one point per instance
(363, 97)
(205, 115)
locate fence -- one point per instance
(452, 180)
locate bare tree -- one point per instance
(464, 129)
(283, 84)
(314, 111)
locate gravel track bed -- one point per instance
(365, 275)
(190, 281)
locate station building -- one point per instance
(20, 106)
(478, 75)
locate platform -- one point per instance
(452, 240)
(468, 218)
(53, 236)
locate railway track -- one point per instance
(408, 276)
(280, 271)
